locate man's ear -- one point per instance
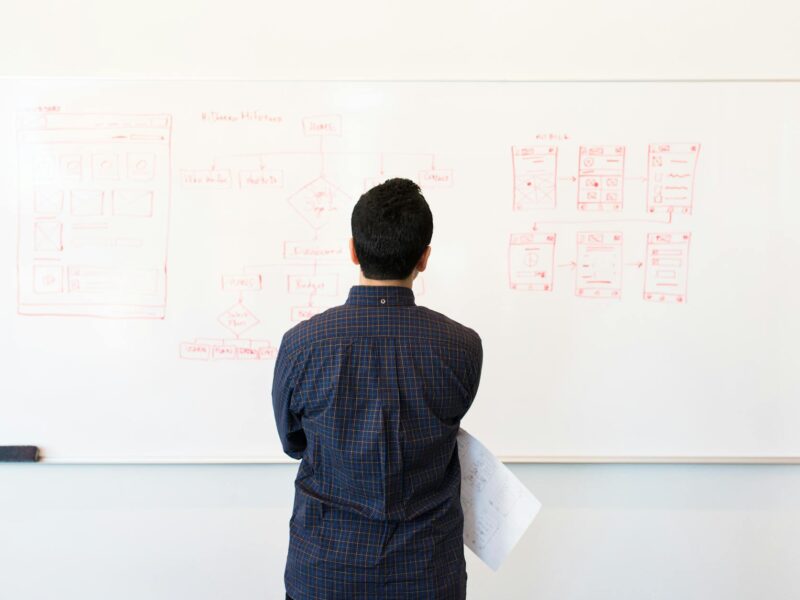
(353, 255)
(422, 263)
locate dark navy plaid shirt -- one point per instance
(370, 395)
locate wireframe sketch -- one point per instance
(93, 214)
(667, 267)
(601, 175)
(670, 177)
(598, 273)
(535, 171)
(530, 261)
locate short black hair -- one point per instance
(392, 225)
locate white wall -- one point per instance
(641, 532)
(412, 39)
(197, 532)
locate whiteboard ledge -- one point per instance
(260, 460)
(222, 79)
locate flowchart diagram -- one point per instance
(94, 222)
(314, 272)
(95, 208)
(599, 224)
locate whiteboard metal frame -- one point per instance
(162, 79)
(264, 460)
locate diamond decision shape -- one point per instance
(317, 201)
(238, 319)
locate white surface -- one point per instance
(203, 235)
(498, 508)
(605, 532)
(355, 39)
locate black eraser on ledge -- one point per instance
(19, 454)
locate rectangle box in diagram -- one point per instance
(48, 236)
(323, 125)
(435, 178)
(48, 202)
(260, 178)
(106, 282)
(94, 201)
(195, 351)
(601, 177)
(531, 261)
(313, 285)
(667, 267)
(211, 179)
(316, 251)
(229, 349)
(598, 272)
(242, 283)
(301, 313)
(670, 177)
(132, 203)
(535, 170)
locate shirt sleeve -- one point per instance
(474, 372)
(477, 368)
(289, 423)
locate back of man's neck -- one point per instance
(408, 282)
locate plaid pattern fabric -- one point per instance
(370, 396)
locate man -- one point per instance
(370, 396)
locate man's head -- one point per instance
(392, 229)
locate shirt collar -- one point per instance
(380, 295)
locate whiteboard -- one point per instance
(627, 251)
